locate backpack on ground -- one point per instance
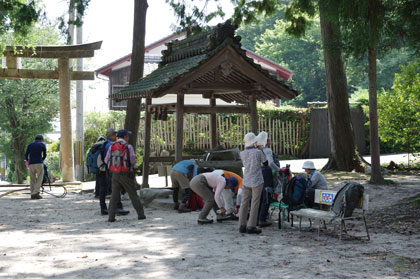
(294, 191)
(95, 157)
(347, 199)
(120, 158)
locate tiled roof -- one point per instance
(186, 56)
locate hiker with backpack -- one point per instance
(121, 159)
(253, 182)
(315, 181)
(35, 155)
(269, 167)
(97, 166)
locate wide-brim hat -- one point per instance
(262, 138)
(231, 182)
(308, 165)
(250, 139)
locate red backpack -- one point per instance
(120, 158)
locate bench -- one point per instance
(326, 197)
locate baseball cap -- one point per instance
(231, 182)
(121, 133)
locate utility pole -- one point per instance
(79, 152)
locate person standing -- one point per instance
(181, 174)
(269, 167)
(104, 177)
(35, 155)
(252, 159)
(121, 160)
(209, 186)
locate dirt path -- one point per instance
(67, 238)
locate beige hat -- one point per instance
(262, 138)
(250, 139)
(110, 131)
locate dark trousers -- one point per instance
(103, 180)
(265, 194)
(186, 194)
(264, 205)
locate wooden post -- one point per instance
(213, 129)
(147, 132)
(66, 141)
(179, 127)
(253, 114)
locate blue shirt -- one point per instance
(36, 152)
(182, 167)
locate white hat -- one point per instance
(250, 139)
(308, 165)
(262, 138)
(219, 172)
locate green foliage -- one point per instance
(54, 147)
(96, 124)
(17, 16)
(303, 56)
(53, 163)
(398, 110)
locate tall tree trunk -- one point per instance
(19, 154)
(132, 118)
(376, 176)
(344, 155)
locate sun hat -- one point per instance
(231, 182)
(219, 172)
(250, 139)
(110, 131)
(121, 133)
(262, 138)
(308, 165)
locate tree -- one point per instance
(399, 117)
(303, 56)
(132, 119)
(17, 16)
(28, 106)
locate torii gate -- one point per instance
(64, 75)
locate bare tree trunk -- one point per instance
(132, 118)
(344, 155)
(19, 154)
(376, 176)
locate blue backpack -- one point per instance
(294, 191)
(92, 158)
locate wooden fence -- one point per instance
(287, 137)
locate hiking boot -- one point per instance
(111, 220)
(104, 212)
(242, 229)
(121, 211)
(141, 217)
(204, 221)
(36, 197)
(265, 223)
(253, 230)
(222, 217)
(183, 208)
(176, 206)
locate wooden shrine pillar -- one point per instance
(66, 140)
(147, 133)
(213, 127)
(253, 113)
(179, 134)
